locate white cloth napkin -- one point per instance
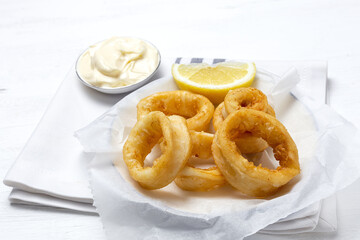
(37, 199)
(52, 162)
(318, 218)
(51, 171)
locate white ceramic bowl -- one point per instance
(122, 89)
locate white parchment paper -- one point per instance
(328, 149)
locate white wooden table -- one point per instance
(40, 40)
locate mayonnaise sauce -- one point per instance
(117, 62)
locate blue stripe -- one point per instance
(217, 60)
(196, 60)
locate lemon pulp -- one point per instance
(213, 81)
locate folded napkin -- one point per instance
(37, 199)
(318, 217)
(51, 169)
(52, 162)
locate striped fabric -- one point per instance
(199, 60)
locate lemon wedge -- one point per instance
(213, 81)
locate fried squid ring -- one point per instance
(176, 149)
(246, 142)
(251, 98)
(254, 180)
(218, 117)
(197, 179)
(197, 109)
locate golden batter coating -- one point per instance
(254, 180)
(197, 109)
(192, 178)
(176, 149)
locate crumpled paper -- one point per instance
(328, 149)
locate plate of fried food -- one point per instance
(243, 123)
(175, 162)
